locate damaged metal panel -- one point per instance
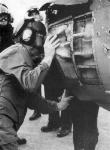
(64, 30)
(84, 55)
(102, 44)
(98, 4)
(83, 49)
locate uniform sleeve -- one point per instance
(45, 106)
(16, 61)
(31, 79)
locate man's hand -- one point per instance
(51, 43)
(63, 104)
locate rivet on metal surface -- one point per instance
(107, 92)
(106, 50)
(98, 33)
(80, 83)
(102, 27)
(94, 19)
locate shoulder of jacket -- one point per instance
(12, 50)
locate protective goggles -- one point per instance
(4, 17)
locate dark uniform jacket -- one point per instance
(6, 36)
(19, 83)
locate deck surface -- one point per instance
(36, 140)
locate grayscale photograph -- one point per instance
(54, 74)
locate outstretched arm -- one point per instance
(49, 106)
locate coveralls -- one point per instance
(19, 82)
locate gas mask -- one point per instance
(34, 36)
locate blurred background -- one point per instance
(19, 7)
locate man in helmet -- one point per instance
(22, 71)
(6, 29)
(33, 13)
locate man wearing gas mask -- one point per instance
(33, 13)
(20, 79)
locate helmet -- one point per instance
(3, 9)
(32, 10)
(4, 12)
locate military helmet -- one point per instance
(32, 9)
(5, 12)
(3, 9)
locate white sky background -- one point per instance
(19, 7)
